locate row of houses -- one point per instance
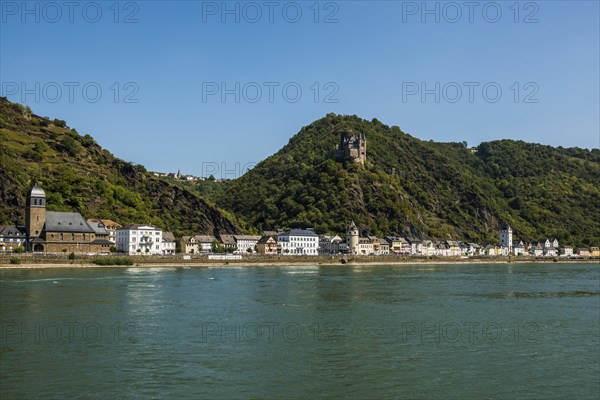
(56, 232)
(307, 242)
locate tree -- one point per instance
(70, 145)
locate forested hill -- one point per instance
(419, 188)
(77, 174)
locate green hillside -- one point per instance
(426, 189)
(77, 174)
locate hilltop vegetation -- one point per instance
(424, 189)
(407, 187)
(77, 174)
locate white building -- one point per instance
(140, 239)
(567, 251)
(168, 245)
(331, 245)
(245, 242)
(298, 242)
(519, 248)
(506, 239)
(11, 237)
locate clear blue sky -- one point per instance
(376, 56)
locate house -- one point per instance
(453, 248)
(550, 251)
(492, 251)
(441, 250)
(12, 237)
(168, 244)
(365, 246)
(384, 247)
(395, 244)
(246, 243)
(415, 246)
(140, 239)
(583, 252)
(58, 232)
(406, 247)
(99, 229)
(330, 245)
(536, 251)
(428, 248)
(267, 245)
(567, 251)
(109, 225)
(594, 252)
(376, 244)
(473, 249)
(198, 244)
(298, 242)
(519, 248)
(228, 242)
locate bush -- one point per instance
(60, 123)
(15, 260)
(19, 250)
(72, 256)
(113, 261)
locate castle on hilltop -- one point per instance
(352, 147)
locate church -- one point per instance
(58, 232)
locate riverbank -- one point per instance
(304, 262)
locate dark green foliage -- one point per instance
(15, 260)
(78, 175)
(425, 189)
(59, 123)
(113, 261)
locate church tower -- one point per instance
(352, 238)
(506, 239)
(35, 213)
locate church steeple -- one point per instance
(35, 212)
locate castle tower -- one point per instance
(352, 238)
(506, 238)
(352, 147)
(363, 148)
(35, 213)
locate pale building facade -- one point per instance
(298, 242)
(139, 239)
